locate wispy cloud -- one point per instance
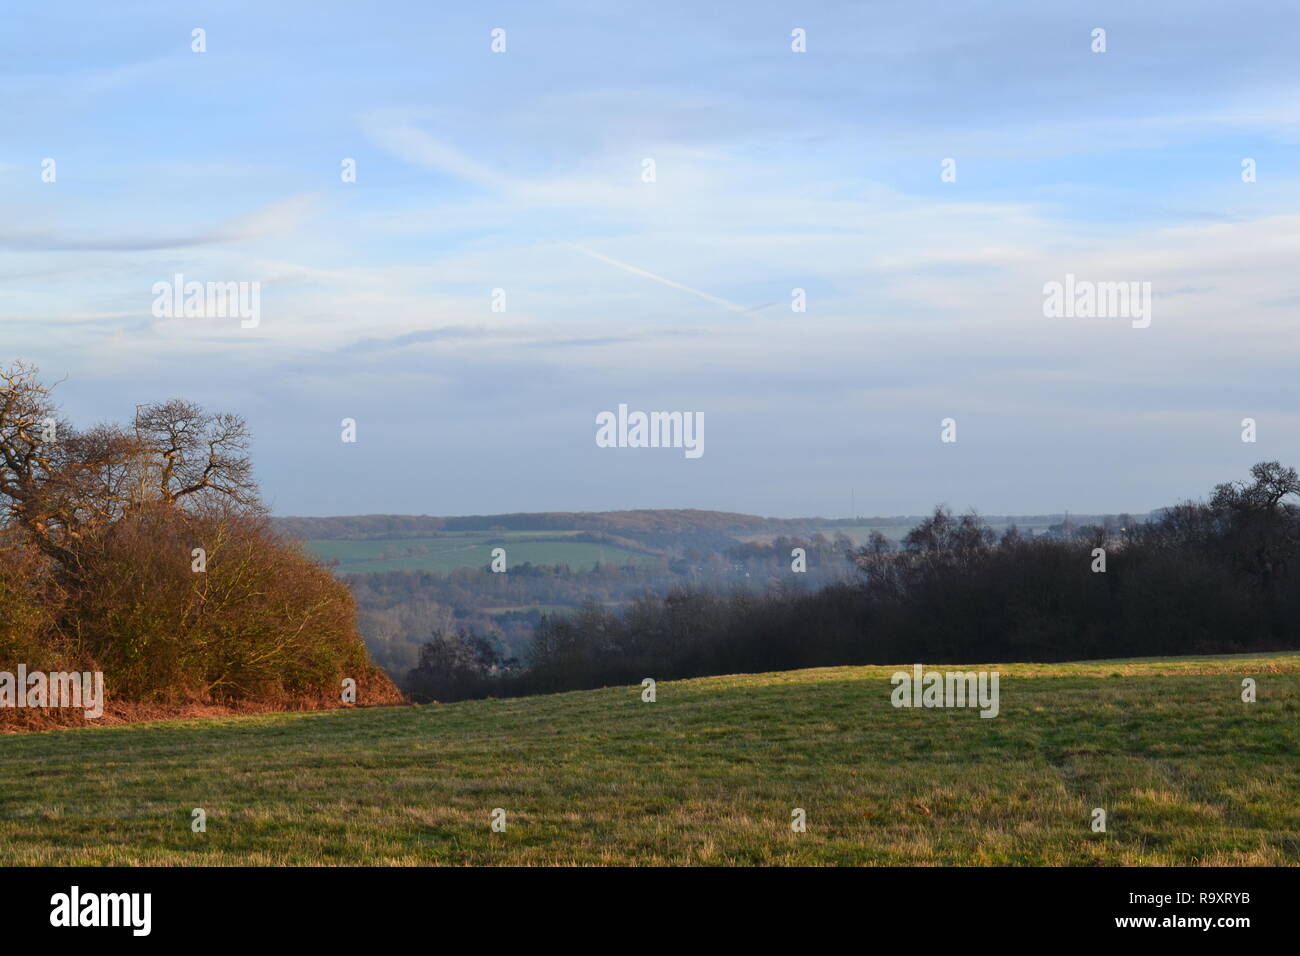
(663, 280)
(775, 170)
(277, 219)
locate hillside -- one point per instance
(708, 774)
(378, 543)
(656, 521)
(661, 521)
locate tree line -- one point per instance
(1216, 576)
(399, 609)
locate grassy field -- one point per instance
(708, 774)
(447, 552)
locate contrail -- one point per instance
(716, 300)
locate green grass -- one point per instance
(447, 552)
(1188, 773)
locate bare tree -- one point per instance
(188, 452)
(58, 482)
(1272, 483)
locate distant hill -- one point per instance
(667, 521)
(632, 524)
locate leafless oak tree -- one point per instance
(57, 482)
(187, 451)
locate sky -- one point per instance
(504, 268)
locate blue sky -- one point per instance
(774, 170)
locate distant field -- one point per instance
(709, 774)
(446, 552)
